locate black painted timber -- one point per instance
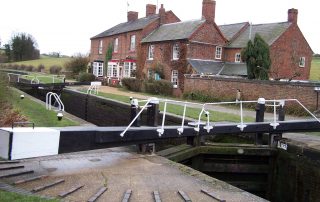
(11, 167)
(86, 138)
(16, 174)
(8, 162)
(40, 188)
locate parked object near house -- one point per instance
(159, 46)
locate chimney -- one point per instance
(132, 16)
(208, 10)
(162, 15)
(293, 15)
(150, 10)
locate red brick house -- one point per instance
(167, 48)
(124, 40)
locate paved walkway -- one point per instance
(120, 169)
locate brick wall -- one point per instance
(225, 89)
(230, 54)
(285, 54)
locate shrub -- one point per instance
(55, 69)
(160, 87)
(200, 96)
(132, 84)
(40, 68)
(86, 77)
(29, 68)
(78, 64)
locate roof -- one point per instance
(174, 31)
(213, 67)
(269, 32)
(128, 26)
(230, 30)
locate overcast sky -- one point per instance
(66, 25)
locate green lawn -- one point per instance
(315, 69)
(190, 112)
(46, 61)
(37, 113)
(43, 78)
(13, 197)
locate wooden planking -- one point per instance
(156, 195)
(211, 194)
(127, 195)
(184, 196)
(98, 194)
(70, 191)
(17, 173)
(11, 167)
(8, 162)
(30, 179)
(46, 186)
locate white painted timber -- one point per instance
(4, 144)
(29, 142)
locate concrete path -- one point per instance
(120, 169)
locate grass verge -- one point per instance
(10, 197)
(47, 62)
(315, 69)
(37, 113)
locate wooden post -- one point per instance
(260, 109)
(153, 113)
(134, 111)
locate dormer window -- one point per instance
(100, 47)
(151, 52)
(175, 52)
(116, 45)
(218, 52)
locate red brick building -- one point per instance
(166, 48)
(124, 40)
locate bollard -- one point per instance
(134, 111)
(153, 113)
(260, 108)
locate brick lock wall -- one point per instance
(225, 89)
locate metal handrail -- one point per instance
(274, 103)
(49, 101)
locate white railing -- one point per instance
(49, 101)
(34, 79)
(94, 88)
(207, 107)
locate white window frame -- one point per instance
(100, 47)
(150, 52)
(133, 43)
(237, 58)
(175, 52)
(116, 45)
(113, 69)
(128, 68)
(175, 78)
(218, 52)
(97, 69)
(302, 61)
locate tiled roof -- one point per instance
(174, 31)
(229, 31)
(128, 26)
(269, 32)
(212, 67)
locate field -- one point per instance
(315, 69)
(46, 61)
